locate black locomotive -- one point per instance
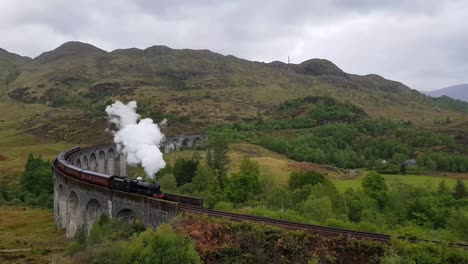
(119, 183)
(127, 184)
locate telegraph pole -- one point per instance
(282, 210)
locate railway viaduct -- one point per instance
(185, 141)
(78, 204)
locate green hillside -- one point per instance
(194, 89)
(10, 65)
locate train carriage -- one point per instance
(120, 183)
(97, 178)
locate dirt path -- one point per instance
(352, 174)
(14, 250)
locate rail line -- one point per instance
(322, 230)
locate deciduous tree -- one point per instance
(374, 185)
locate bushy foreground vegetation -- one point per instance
(222, 241)
(35, 188)
(191, 239)
(113, 241)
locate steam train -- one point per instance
(119, 183)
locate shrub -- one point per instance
(168, 182)
(425, 253)
(163, 245)
(16, 201)
(299, 179)
(318, 209)
(223, 206)
(106, 229)
(458, 221)
(73, 248)
(184, 170)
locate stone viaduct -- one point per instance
(79, 204)
(185, 141)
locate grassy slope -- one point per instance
(15, 144)
(24, 228)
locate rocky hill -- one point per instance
(196, 88)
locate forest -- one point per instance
(340, 134)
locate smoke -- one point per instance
(139, 140)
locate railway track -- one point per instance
(322, 230)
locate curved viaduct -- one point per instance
(78, 204)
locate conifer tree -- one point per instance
(460, 190)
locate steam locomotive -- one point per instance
(119, 183)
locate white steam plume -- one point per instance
(138, 140)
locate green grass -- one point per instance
(427, 182)
(22, 227)
(26, 228)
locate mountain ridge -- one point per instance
(9, 66)
(13, 57)
(459, 91)
(69, 49)
(198, 88)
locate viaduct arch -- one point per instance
(170, 144)
(78, 204)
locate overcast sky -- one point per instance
(422, 43)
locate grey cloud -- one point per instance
(422, 43)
